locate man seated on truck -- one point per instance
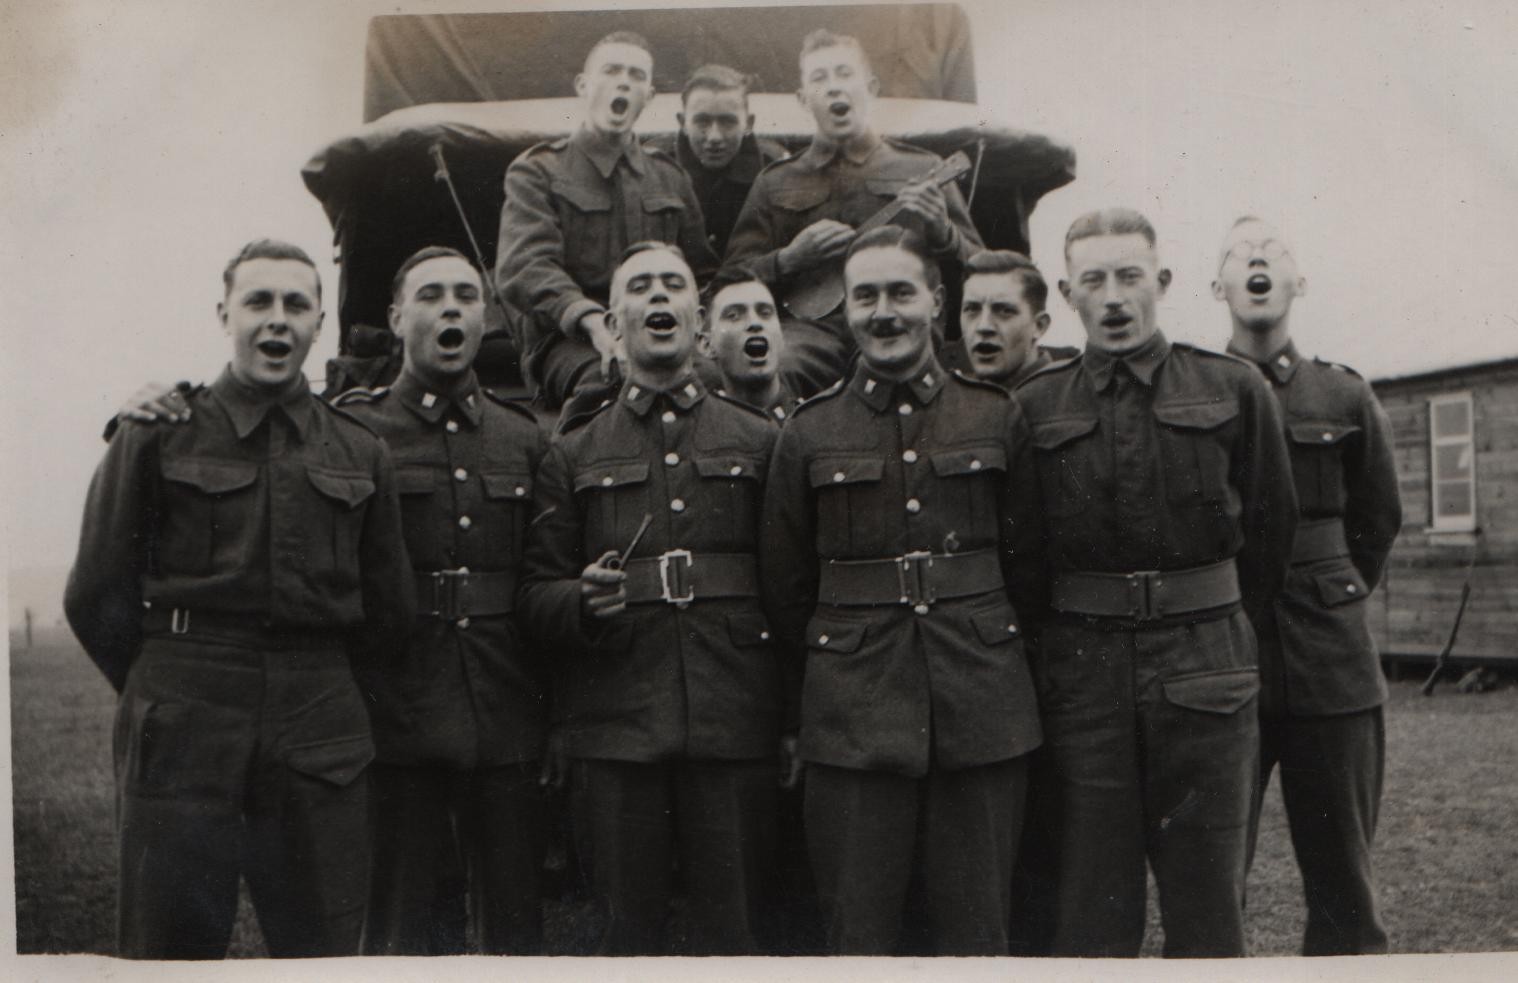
(804, 211)
(574, 204)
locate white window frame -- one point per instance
(1437, 521)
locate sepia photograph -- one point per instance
(755, 484)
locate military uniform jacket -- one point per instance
(283, 513)
(572, 206)
(1321, 659)
(468, 692)
(722, 193)
(870, 470)
(657, 681)
(846, 184)
(1168, 458)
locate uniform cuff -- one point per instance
(569, 323)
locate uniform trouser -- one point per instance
(630, 818)
(1153, 738)
(1031, 928)
(234, 760)
(816, 353)
(1331, 773)
(953, 832)
(441, 837)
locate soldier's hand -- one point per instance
(925, 200)
(154, 402)
(603, 591)
(606, 344)
(790, 764)
(823, 240)
(555, 771)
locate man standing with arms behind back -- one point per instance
(1168, 515)
(1320, 705)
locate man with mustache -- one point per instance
(717, 146)
(459, 718)
(901, 554)
(573, 205)
(225, 568)
(641, 580)
(802, 211)
(1320, 705)
(1169, 514)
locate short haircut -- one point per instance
(1109, 222)
(824, 38)
(267, 249)
(997, 261)
(726, 277)
(418, 258)
(621, 37)
(903, 238)
(718, 78)
(649, 246)
(1243, 219)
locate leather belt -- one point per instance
(1146, 595)
(1319, 539)
(680, 576)
(239, 627)
(917, 579)
(455, 594)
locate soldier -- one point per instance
(717, 146)
(902, 544)
(1168, 503)
(1320, 705)
(742, 339)
(459, 720)
(640, 574)
(574, 204)
(802, 212)
(1002, 318)
(221, 567)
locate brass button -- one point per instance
(1350, 588)
(1011, 629)
(459, 474)
(735, 470)
(452, 426)
(672, 459)
(677, 505)
(905, 409)
(668, 416)
(520, 491)
(974, 464)
(606, 481)
(1327, 435)
(764, 636)
(822, 639)
(838, 476)
(465, 522)
(462, 622)
(914, 506)
(910, 456)
(920, 609)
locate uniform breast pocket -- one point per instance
(848, 491)
(508, 493)
(616, 497)
(1317, 463)
(337, 520)
(207, 504)
(970, 477)
(663, 214)
(420, 510)
(797, 207)
(1194, 443)
(585, 221)
(1066, 455)
(730, 489)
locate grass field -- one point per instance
(1447, 850)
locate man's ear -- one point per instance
(1064, 291)
(221, 314)
(580, 82)
(680, 120)
(612, 325)
(1301, 290)
(874, 85)
(1217, 291)
(1164, 279)
(1041, 324)
(801, 98)
(940, 296)
(393, 317)
(704, 344)
(749, 126)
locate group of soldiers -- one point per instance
(996, 653)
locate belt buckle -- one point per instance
(674, 577)
(1142, 595)
(912, 572)
(447, 597)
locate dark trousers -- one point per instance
(451, 845)
(954, 833)
(234, 761)
(630, 818)
(1331, 774)
(1034, 875)
(1153, 739)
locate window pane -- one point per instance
(1452, 462)
(1452, 419)
(1454, 498)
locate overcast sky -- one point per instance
(145, 141)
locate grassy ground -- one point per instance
(1447, 850)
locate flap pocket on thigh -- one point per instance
(1216, 691)
(338, 762)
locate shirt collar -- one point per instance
(878, 394)
(431, 406)
(823, 152)
(605, 155)
(1281, 366)
(683, 395)
(1100, 366)
(247, 407)
(742, 169)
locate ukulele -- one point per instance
(817, 292)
